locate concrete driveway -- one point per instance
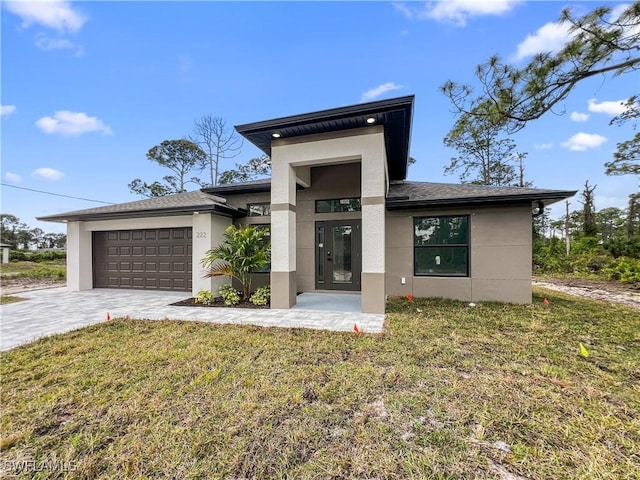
(55, 310)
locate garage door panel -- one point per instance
(144, 259)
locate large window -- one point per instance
(338, 205)
(441, 246)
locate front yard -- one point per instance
(448, 391)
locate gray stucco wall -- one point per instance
(500, 256)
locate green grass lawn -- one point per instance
(432, 397)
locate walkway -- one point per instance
(55, 310)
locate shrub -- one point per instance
(261, 296)
(29, 256)
(623, 269)
(230, 295)
(244, 250)
(205, 297)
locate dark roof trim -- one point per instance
(331, 113)
(395, 115)
(230, 189)
(222, 210)
(402, 204)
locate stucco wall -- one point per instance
(499, 256)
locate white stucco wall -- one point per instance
(208, 232)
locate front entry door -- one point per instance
(338, 255)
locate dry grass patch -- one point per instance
(5, 299)
(448, 391)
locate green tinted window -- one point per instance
(441, 246)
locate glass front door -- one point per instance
(338, 255)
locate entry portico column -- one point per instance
(374, 189)
(283, 233)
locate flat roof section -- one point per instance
(395, 115)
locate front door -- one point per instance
(338, 255)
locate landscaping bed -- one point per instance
(216, 302)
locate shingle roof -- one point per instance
(175, 204)
(262, 185)
(416, 194)
(402, 195)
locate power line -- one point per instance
(55, 194)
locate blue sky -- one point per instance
(88, 87)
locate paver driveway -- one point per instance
(56, 310)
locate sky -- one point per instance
(87, 88)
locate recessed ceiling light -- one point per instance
(371, 120)
(275, 135)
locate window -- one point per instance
(338, 205)
(259, 209)
(441, 246)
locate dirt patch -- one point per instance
(23, 284)
(595, 289)
(217, 302)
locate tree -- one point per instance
(626, 159)
(218, 142)
(14, 232)
(254, 168)
(589, 227)
(181, 157)
(597, 46)
(245, 250)
(610, 222)
(481, 152)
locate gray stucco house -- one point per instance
(342, 218)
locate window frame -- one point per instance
(466, 245)
(315, 206)
(258, 204)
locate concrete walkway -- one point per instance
(55, 310)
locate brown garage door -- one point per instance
(158, 259)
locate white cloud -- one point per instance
(72, 124)
(47, 44)
(551, 37)
(584, 141)
(615, 107)
(12, 177)
(47, 174)
(54, 14)
(579, 117)
(543, 146)
(379, 90)
(7, 110)
(456, 11)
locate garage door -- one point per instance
(158, 259)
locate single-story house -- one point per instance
(342, 217)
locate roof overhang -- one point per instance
(402, 203)
(395, 115)
(221, 210)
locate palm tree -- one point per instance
(245, 250)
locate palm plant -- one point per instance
(245, 250)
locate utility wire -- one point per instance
(55, 194)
